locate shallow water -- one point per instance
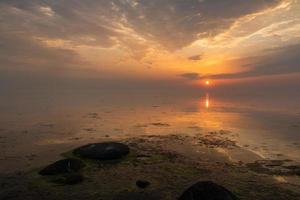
(37, 126)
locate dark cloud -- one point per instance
(69, 20)
(196, 57)
(281, 60)
(177, 23)
(171, 23)
(190, 76)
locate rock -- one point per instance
(102, 151)
(63, 166)
(142, 184)
(207, 190)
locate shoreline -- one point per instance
(170, 163)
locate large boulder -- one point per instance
(102, 151)
(207, 190)
(68, 165)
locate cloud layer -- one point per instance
(276, 61)
(119, 35)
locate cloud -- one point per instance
(67, 20)
(135, 27)
(176, 23)
(171, 23)
(280, 60)
(190, 76)
(196, 57)
(18, 51)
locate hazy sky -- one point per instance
(178, 40)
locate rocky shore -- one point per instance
(155, 167)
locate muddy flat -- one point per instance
(170, 164)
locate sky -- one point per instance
(149, 42)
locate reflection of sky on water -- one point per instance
(263, 126)
(32, 120)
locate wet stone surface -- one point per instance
(68, 165)
(102, 151)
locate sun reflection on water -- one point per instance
(207, 104)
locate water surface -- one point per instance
(37, 126)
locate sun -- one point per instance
(207, 82)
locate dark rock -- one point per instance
(63, 166)
(103, 151)
(142, 184)
(207, 190)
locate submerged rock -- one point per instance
(207, 190)
(102, 151)
(62, 166)
(142, 184)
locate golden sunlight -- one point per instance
(191, 90)
(207, 101)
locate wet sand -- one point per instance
(171, 163)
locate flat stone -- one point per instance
(62, 166)
(102, 151)
(207, 190)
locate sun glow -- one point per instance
(207, 82)
(207, 101)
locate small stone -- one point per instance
(207, 190)
(102, 151)
(142, 184)
(63, 166)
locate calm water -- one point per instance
(36, 125)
